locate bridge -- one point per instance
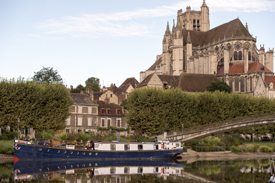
(192, 134)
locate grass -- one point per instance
(6, 146)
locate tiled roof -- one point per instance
(111, 106)
(239, 68)
(269, 79)
(194, 82)
(153, 67)
(233, 28)
(82, 99)
(146, 80)
(124, 86)
(98, 94)
(168, 78)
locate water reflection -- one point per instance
(95, 171)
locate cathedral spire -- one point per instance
(188, 38)
(246, 26)
(167, 32)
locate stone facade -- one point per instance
(228, 51)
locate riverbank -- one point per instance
(192, 156)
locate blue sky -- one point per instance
(109, 39)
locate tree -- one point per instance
(47, 75)
(93, 83)
(218, 85)
(78, 89)
(40, 106)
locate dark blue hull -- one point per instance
(28, 151)
(38, 166)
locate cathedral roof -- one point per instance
(153, 67)
(234, 28)
(194, 82)
(239, 68)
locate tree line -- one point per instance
(153, 111)
(38, 105)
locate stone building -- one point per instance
(228, 51)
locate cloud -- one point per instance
(128, 23)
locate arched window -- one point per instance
(194, 24)
(242, 84)
(235, 55)
(249, 55)
(237, 84)
(240, 55)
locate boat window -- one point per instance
(96, 145)
(156, 146)
(156, 169)
(72, 166)
(72, 152)
(65, 152)
(40, 149)
(90, 153)
(177, 144)
(139, 169)
(77, 153)
(113, 170)
(83, 165)
(126, 170)
(48, 150)
(65, 167)
(126, 147)
(83, 153)
(113, 147)
(140, 147)
(58, 151)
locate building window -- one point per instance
(67, 130)
(106, 95)
(240, 56)
(249, 55)
(235, 55)
(68, 121)
(242, 84)
(111, 95)
(79, 122)
(79, 109)
(118, 112)
(271, 85)
(90, 110)
(102, 122)
(89, 121)
(94, 110)
(118, 123)
(251, 84)
(108, 122)
(108, 111)
(237, 84)
(231, 85)
(102, 111)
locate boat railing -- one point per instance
(271, 160)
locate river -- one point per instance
(135, 171)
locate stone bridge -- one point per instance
(203, 131)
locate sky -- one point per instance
(109, 39)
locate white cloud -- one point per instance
(126, 23)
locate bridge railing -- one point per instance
(220, 124)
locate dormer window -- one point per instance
(109, 111)
(103, 111)
(271, 85)
(118, 112)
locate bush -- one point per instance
(63, 136)
(265, 149)
(235, 149)
(47, 135)
(6, 147)
(82, 136)
(251, 148)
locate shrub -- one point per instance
(82, 136)
(63, 135)
(250, 148)
(265, 149)
(47, 135)
(235, 149)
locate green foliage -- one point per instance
(211, 140)
(63, 136)
(265, 149)
(6, 147)
(47, 135)
(93, 83)
(250, 148)
(153, 111)
(39, 106)
(235, 149)
(47, 75)
(218, 85)
(78, 89)
(82, 136)
(6, 135)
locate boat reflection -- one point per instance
(95, 170)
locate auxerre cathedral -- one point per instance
(193, 55)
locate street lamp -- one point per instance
(18, 120)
